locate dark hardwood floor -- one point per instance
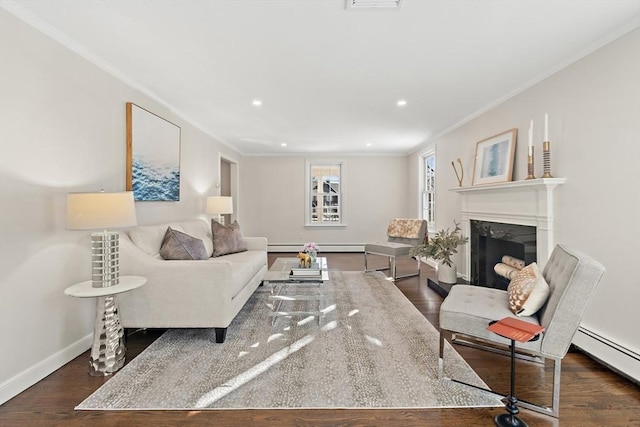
(591, 395)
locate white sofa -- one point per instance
(187, 294)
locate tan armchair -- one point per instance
(403, 236)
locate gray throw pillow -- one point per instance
(177, 245)
(226, 239)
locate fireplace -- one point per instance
(490, 241)
(526, 203)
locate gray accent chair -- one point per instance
(403, 235)
(467, 310)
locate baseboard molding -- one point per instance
(333, 247)
(616, 357)
(25, 379)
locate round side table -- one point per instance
(108, 348)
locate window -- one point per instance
(324, 193)
(429, 189)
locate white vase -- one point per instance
(447, 274)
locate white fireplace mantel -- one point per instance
(527, 202)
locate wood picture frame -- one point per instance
(153, 156)
(494, 158)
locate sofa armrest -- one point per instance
(256, 243)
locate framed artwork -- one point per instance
(153, 156)
(494, 158)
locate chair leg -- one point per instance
(553, 410)
(441, 356)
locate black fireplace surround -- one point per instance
(490, 241)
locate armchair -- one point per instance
(402, 236)
(572, 278)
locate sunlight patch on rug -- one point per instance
(372, 349)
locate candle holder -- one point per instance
(546, 159)
(530, 174)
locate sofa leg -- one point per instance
(221, 334)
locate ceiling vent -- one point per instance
(374, 4)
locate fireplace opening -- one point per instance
(490, 242)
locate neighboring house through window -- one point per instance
(324, 193)
(428, 185)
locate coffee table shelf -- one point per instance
(286, 288)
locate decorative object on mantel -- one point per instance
(494, 158)
(461, 176)
(440, 248)
(530, 174)
(546, 150)
(153, 156)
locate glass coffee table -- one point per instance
(295, 295)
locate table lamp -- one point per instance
(92, 211)
(220, 205)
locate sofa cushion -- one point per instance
(226, 239)
(181, 246)
(527, 291)
(244, 265)
(468, 309)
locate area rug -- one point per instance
(371, 349)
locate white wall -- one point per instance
(594, 115)
(273, 194)
(63, 130)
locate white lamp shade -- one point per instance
(91, 211)
(219, 205)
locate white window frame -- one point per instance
(425, 212)
(309, 164)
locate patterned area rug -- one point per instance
(371, 349)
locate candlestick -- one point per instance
(546, 127)
(546, 159)
(530, 165)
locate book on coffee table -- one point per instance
(515, 329)
(312, 271)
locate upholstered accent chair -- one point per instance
(403, 234)
(467, 310)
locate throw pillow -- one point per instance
(180, 246)
(227, 239)
(527, 291)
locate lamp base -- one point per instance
(108, 349)
(105, 259)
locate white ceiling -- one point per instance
(329, 77)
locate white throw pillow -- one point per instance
(528, 291)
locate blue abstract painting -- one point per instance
(494, 161)
(155, 159)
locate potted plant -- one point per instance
(441, 247)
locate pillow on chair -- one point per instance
(527, 291)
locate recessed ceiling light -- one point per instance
(256, 102)
(401, 103)
(284, 144)
(368, 144)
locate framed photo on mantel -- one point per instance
(153, 156)
(494, 158)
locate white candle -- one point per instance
(531, 138)
(546, 127)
